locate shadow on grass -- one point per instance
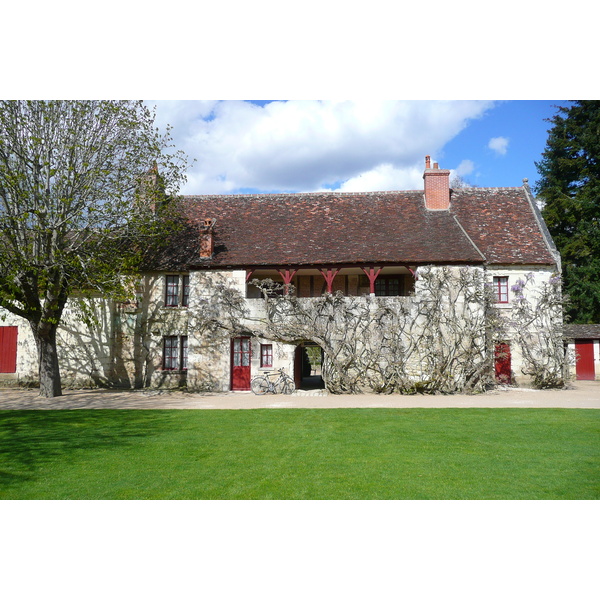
(30, 438)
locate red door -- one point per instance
(240, 363)
(502, 363)
(8, 349)
(585, 359)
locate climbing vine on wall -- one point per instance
(535, 322)
(439, 340)
(436, 341)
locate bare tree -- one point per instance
(79, 188)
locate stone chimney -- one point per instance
(207, 238)
(437, 186)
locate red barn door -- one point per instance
(240, 363)
(585, 359)
(8, 349)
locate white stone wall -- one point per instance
(124, 345)
(541, 276)
(85, 354)
(27, 366)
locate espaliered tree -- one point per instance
(570, 189)
(81, 201)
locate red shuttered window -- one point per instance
(8, 349)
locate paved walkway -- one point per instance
(584, 394)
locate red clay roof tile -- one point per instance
(373, 227)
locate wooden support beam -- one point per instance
(287, 275)
(329, 275)
(372, 274)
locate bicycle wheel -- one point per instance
(259, 385)
(287, 386)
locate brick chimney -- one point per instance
(207, 238)
(437, 186)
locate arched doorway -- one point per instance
(308, 361)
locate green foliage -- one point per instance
(570, 189)
(81, 202)
(300, 454)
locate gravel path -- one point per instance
(584, 394)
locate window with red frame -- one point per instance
(175, 353)
(185, 293)
(266, 355)
(172, 290)
(184, 352)
(501, 289)
(177, 290)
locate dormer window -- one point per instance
(177, 290)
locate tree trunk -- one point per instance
(49, 371)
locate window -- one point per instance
(177, 290)
(391, 285)
(266, 355)
(185, 294)
(184, 352)
(241, 352)
(175, 353)
(501, 289)
(172, 290)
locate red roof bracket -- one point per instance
(329, 275)
(372, 274)
(287, 275)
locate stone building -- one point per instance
(352, 291)
(584, 345)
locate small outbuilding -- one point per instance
(584, 341)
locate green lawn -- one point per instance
(300, 454)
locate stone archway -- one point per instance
(308, 360)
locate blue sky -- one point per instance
(520, 131)
(310, 145)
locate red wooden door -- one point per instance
(502, 363)
(240, 363)
(8, 349)
(585, 359)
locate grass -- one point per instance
(300, 454)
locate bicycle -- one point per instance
(284, 384)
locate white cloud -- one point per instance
(498, 144)
(385, 177)
(306, 145)
(466, 167)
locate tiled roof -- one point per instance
(372, 227)
(582, 332)
(502, 224)
(329, 228)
